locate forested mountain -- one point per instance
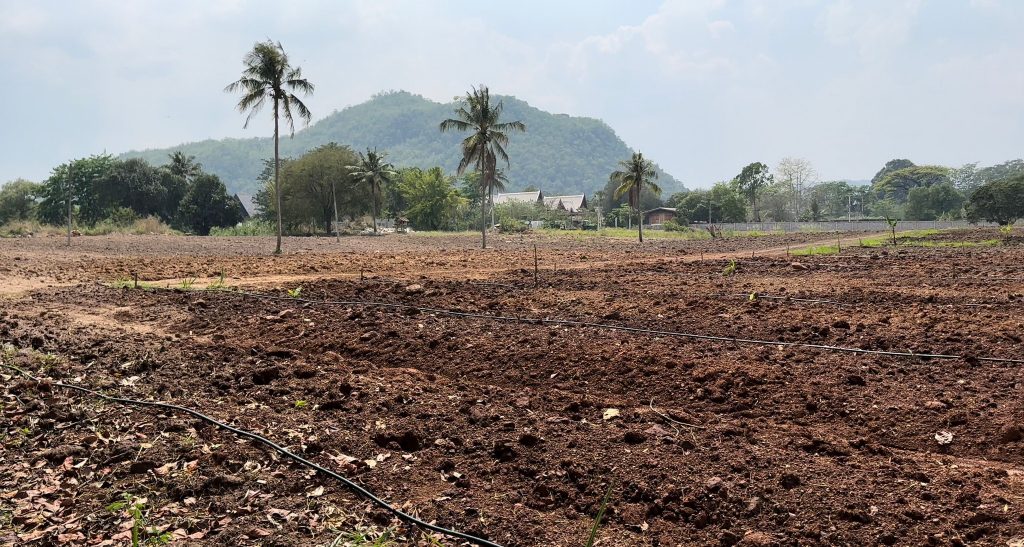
(559, 154)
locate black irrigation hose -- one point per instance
(278, 448)
(759, 296)
(636, 330)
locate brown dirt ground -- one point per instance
(498, 428)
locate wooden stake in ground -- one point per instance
(536, 266)
(839, 245)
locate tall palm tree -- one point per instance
(184, 166)
(269, 76)
(485, 146)
(636, 174)
(373, 171)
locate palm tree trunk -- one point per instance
(334, 198)
(277, 177)
(373, 205)
(640, 224)
(483, 214)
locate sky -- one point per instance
(703, 87)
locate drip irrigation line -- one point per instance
(621, 328)
(759, 296)
(359, 490)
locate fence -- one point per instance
(845, 226)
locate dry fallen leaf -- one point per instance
(610, 413)
(316, 492)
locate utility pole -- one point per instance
(849, 208)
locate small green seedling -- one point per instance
(600, 515)
(730, 269)
(141, 534)
(752, 297)
(218, 284)
(295, 293)
(187, 283)
(892, 226)
(301, 404)
(1006, 231)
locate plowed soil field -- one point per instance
(716, 408)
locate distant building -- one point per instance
(659, 215)
(519, 197)
(248, 204)
(571, 204)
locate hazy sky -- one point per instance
(701, 86)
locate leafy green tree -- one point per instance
(433, 200)
(815, 210)
(207, 204)
(776, 200)
(633, 176)
(72, 187)
(1001, 171)
(133, 184)
(887, 208)
(890, 166)
(18, 200)
(751, 180)
(724, 200)
(1001, 201)
(318, 184)
(896, 185)
(485, 145)
(268, 75)
(933, 202)
(834, 198)
(372, 171)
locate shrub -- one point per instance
(251, 227)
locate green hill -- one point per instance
(559, 154)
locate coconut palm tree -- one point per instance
(636, 175)
(485, 145)
(373, 171)
(269, 76)
(184, 166)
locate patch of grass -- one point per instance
(217, 285)
(7, 353)
(187, 283)
(816, 250)
(22, 228)
(360, 538)
(125, 282)
(46, 360)
(251, 227)
(982, 243)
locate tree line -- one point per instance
(101, 189)
(900, 190)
